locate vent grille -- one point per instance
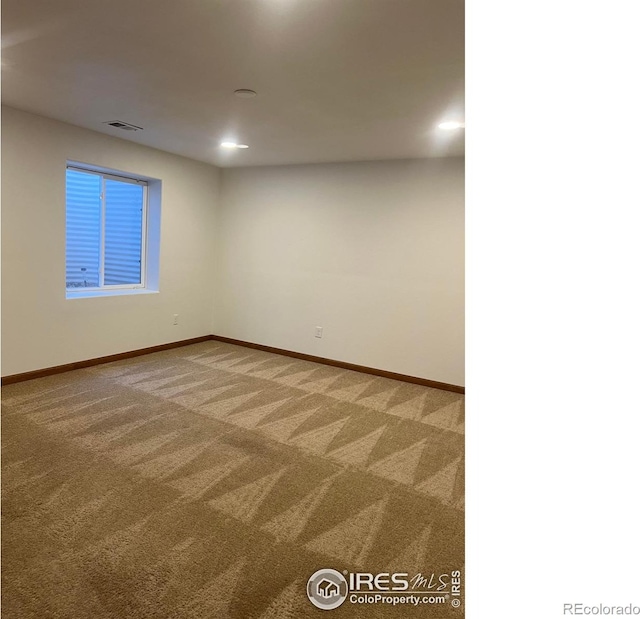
(118, 124)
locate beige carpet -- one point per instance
(211, 481)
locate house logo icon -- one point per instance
(327, 589)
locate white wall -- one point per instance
(372, 252)
(40, 327)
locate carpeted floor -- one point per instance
(211, 481)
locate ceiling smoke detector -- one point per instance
(118, 124)
(245, 93)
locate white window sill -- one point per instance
(85, 294)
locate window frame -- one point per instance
(104, 175)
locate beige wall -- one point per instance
(372, 252)
(40, 327)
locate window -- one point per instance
(106, 232)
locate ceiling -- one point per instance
(337, 80)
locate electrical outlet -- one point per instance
(175, 319)
(318, 331)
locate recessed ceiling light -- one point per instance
(232, 145)
(245, 93)
(450, 125)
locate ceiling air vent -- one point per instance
(118, 124)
